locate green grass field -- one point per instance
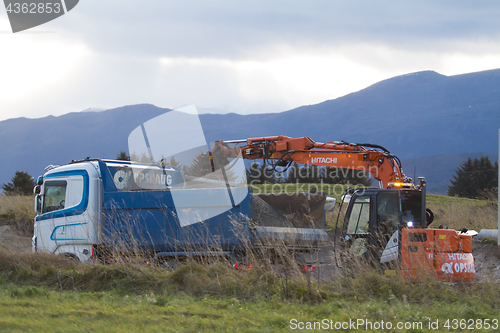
(46, 293)
(367, 303)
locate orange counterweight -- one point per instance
(442, 252)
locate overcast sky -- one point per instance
(235, 56)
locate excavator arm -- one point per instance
(282, 151)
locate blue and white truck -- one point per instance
(91, 208)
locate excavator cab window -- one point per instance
(388, 209)
(412, 208)
(358, 226)
(360, 216)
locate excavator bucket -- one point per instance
(277, 219)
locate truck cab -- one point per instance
(73, 202)
(68, 210)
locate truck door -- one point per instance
(63, 218)
(50, 218)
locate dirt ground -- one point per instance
(487, 256)
(12, 240)
(487, 261)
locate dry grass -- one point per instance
(192, 277)
(19, 212)
(278, 275)
(458, 213)
(364, 283)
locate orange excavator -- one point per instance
(388, 223)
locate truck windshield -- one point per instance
(54, 196)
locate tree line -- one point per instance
(471, 179)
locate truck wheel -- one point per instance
(71, 256)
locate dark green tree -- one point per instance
(292, 174)
(304, 173)
(279, 177)
(123, 156)
(171, 163)
(267, 175)
(473, 177)
(200, 166)
(254, 174)
(143, 158)
(22, 184)
(310, 173)
(260, 174)
(486, 175)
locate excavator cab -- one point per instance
(388, 228)
(375, 217)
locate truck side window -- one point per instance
(360, 216)
(54, 196)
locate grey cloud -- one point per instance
(127, 38)
(232, 29)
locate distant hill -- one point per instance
(418, 115)
(32, 144)
(414, 115)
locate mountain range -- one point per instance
(430, 121)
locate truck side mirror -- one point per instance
(38, 204)
(330, 204)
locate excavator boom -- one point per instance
(283, 151)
